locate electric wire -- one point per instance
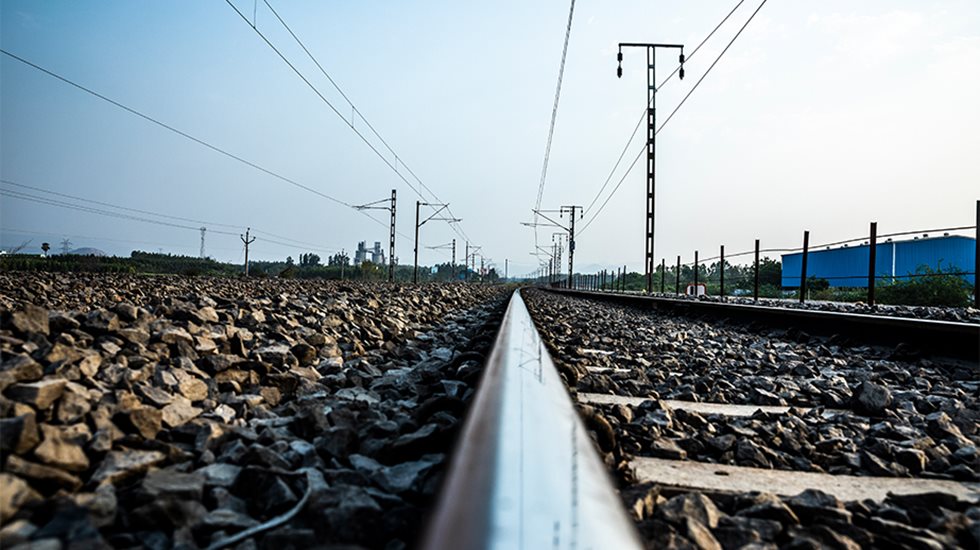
(185, 134)
(326, 101)
(554, 117)
(65, 195)
(91, 210)
(643, 113)
(661, 127)
(209, 224)
(397, 159)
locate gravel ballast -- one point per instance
(166, 412)
(898, 414)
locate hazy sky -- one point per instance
(822, 116)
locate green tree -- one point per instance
(310, 259)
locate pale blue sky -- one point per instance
(822, 116)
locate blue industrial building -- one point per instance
(848, 266)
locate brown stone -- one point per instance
(41, 394)
(179, 412)
(29, 320)
(58, 449)
(15, 493)
(193, 389)
(74, 403)
(46, 478)
(147, 421)
(19, 434)
(19, 368)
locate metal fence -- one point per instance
(701, 271)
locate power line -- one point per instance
(54, 202)
(554, 117)
(333, 108)
(211, 224)
(19, 231)
(643, 113)
(91, 210)
(183, 134)
(696, 84)
(344, 95)
(717, 59)
(65, 195)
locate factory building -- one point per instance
(848, 266)
(364, 254)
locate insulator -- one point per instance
(682, 73)
(619, 71)
(682, 58)
(619, 57)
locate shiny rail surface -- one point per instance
(525, 473)
(945, 338)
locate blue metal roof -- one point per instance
(848, 266)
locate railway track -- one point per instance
(718, 427)
(218, 413)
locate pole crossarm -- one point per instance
(556, 224)
(372, 205)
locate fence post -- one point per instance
(976, 264)
(872, 253)
(756, 292)
(806, 246)
(695, 273)
(722, 291)
(677, 282)
(663, 273)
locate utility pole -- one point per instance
(439, 208)
(203, 231)
(506, 267)
(651, 140)
(65, 245)
(571, 236)
(466, 263)
(452, 269)
(247, 242)
(391, 240)
(391, 232)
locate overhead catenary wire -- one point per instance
(332, 107)
(554, 118)
(671, 115)
(186, 135)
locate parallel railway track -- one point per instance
(518, 477)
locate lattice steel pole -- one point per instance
(651, 142)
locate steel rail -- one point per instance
(944, 338)
(525, 473)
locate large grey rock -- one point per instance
(872, 398)
(120, 465)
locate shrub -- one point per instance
(928, 287)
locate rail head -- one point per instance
(525, 473)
